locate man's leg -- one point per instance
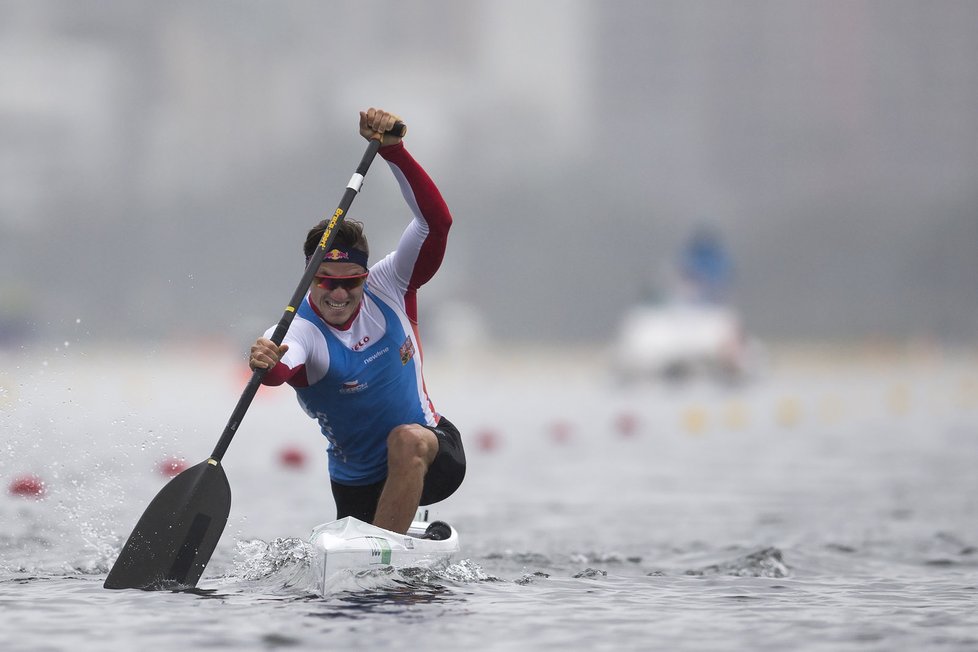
(410, 450)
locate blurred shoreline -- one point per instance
(564, 360)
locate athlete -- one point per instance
(353, 356)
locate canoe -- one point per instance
(348, 547)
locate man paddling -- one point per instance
(353, 356)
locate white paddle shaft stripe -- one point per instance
(355, 182)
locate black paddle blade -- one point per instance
(176, 536)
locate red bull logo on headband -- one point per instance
(341, 254)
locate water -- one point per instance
(831, 505)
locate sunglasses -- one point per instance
(330, 283)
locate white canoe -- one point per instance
(350, 546)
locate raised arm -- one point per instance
(422, 246)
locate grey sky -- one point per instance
(162, 161)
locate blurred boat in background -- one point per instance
(694, 330)
(677, 341)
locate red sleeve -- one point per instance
(282, 373)
(434, 211)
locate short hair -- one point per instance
(349, 235)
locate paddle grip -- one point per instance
(399, 129)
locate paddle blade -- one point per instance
(176, 535)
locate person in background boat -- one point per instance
(705, 268)
(353, 356)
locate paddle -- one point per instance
(176, 535)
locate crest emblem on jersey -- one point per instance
(336, 254)
(407, 350)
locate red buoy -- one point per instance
(561, 431)
(27, 486)
(487, 440)
(292, 457)
(626, 424)
(171, 466)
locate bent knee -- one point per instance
(411, 442)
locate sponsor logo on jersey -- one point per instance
(362, 343)
(377, 355)
(352, 386)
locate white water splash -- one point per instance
(767, 562)
(282, 563)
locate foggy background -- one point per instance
(160, 162)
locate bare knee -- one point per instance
(411, 445)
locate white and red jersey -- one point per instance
(361, 381)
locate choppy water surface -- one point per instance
(830, 505)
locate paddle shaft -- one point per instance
(300, 292)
